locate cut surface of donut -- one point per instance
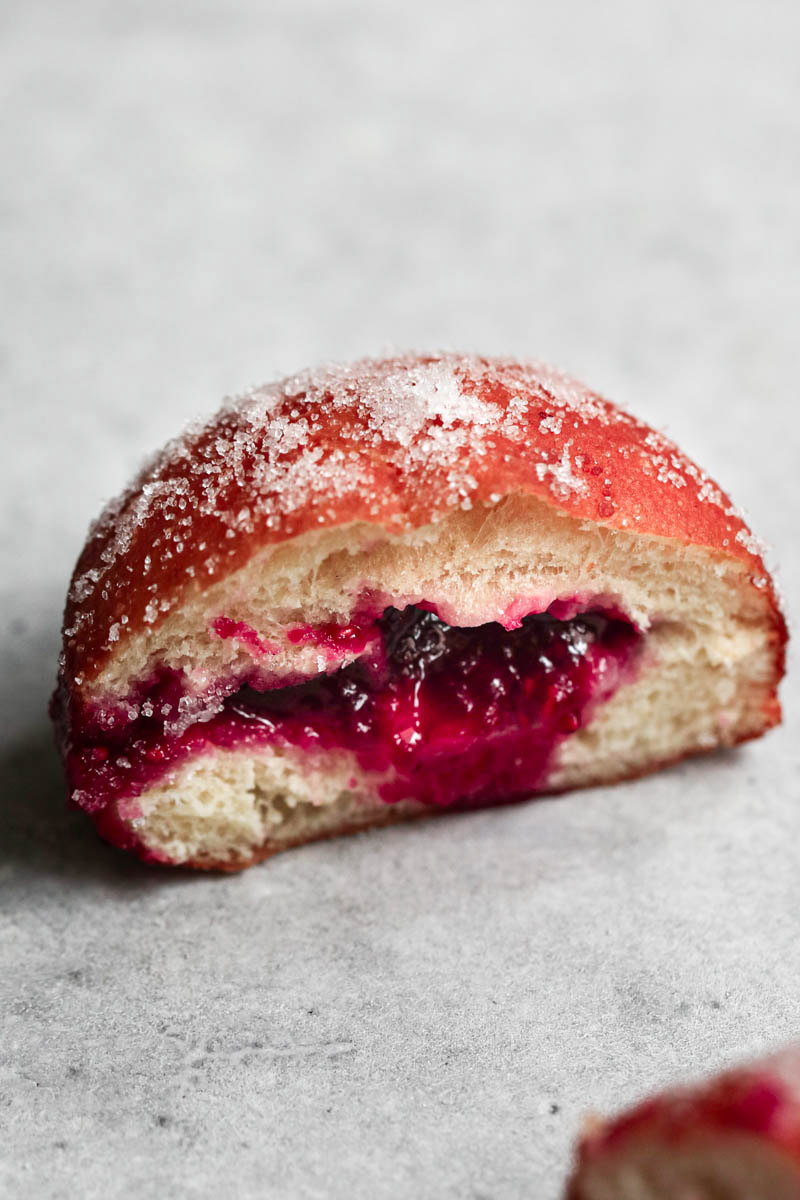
(735, 1137)
(400, 587)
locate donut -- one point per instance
(399, 587)
(735, 1137)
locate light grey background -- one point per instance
(198, 196)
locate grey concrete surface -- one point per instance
(196, 196)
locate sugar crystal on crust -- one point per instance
(396, 442)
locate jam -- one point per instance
(225, 628)
(448, 716)
(333, 639)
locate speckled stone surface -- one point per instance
(199, 197)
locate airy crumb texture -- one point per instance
(395, 443)
(706, 679)
(736, 1137)
(258, 550)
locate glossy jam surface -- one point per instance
(448, 716)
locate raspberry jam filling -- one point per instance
(448, 716)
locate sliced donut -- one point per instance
(736, 1137)
(398, 587)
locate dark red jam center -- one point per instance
(447, 716)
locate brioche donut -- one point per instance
(397, 587)
(736, 1137)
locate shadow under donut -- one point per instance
(41, 835)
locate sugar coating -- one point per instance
(398, 442)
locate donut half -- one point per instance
(735, 1137)
(399, 587)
